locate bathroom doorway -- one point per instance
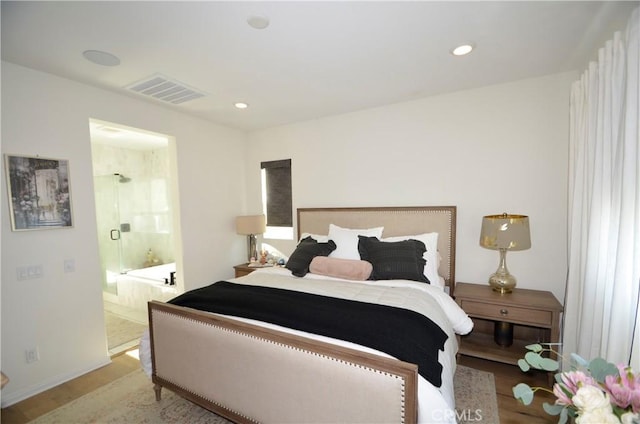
(135, 207)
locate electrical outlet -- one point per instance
(69, 265)
(32, 355)
(29, 272)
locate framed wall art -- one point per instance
(39, 193)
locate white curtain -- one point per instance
(602, 298)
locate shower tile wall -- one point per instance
(144, 201)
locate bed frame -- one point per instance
(248, 373)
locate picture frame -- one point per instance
(39, 193)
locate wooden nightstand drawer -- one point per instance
(507, 313)
(243, 269)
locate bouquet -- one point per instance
(593, 391)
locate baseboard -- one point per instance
(20, 395)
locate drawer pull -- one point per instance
(504, 312)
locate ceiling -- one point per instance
(314, 59)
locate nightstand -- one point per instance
(532, 315)
(243, 269)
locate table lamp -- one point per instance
(250, 225)
(504, 232)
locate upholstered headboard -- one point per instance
(397, 221)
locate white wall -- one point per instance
(502, 148)
(61, 313)
(495, 149)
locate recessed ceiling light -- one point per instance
(241, 105)
(462, 50)
(258, 22)
(101, 58)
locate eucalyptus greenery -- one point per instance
(599, 373)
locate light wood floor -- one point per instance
(507, 376)
(29, 409)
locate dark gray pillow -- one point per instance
(307, 249)
(401, 260)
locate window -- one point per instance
(276, 198)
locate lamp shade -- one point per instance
(505, 231)
(250, 224)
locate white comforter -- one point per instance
(434, 404)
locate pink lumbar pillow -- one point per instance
(348, 269)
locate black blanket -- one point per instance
(401, 333)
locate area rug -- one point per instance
(121, 331)
(131, 399)
(476, 399)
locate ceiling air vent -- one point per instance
(165, 89)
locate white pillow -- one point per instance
(346, 240)
(430, 241)
(317, 237)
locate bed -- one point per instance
(256, 367)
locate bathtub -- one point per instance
(156, 273)
(138, 286)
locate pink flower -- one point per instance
(570, 383)
(624, 389)
(635, 399)
(562, 397)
